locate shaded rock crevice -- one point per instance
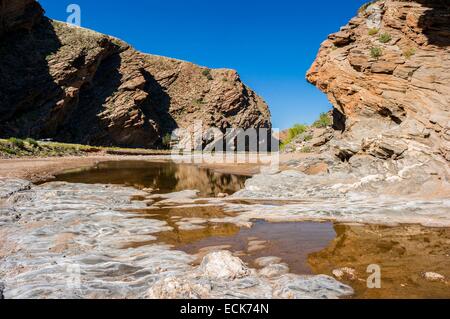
(18, 15)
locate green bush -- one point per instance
(293, 132)
(373, 31)
(207, 74)
(296, 130)
(376, 52)
(323, 121)
(408, 53)
(32, 142)
(7, 150)
(385, 38)
(16, 142)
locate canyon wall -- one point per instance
(387, 74)
(16, 15)
(75, 85)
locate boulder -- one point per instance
(223, 265)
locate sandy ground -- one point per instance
(41, 169)
(44, 169)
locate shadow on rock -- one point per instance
(435, 22)
(158, 104)
(23, 104)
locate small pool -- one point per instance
(162, 177)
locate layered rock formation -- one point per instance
(75, 85)
(82, 238)
(387, 73)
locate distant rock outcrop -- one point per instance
(387, 74)
(75, 85)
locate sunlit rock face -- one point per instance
(387, 75)
(76, 85)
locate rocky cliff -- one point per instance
(387, 74)
(75, 85)
(16, 15)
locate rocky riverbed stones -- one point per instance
(238, 281)
(81, 238)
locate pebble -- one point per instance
(433, 277)
(348, 273)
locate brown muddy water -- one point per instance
(163, 177)
(404, 253)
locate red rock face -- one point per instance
(76, 85)
(387, 73)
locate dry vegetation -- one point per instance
(14, 147)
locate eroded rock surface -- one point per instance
(221, 275)
(77, 241)
(389, 80)
(387, 75)
(383, 198)
(75, 85)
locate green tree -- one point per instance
(323, 121)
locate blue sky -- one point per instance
(270, 43)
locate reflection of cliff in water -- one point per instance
(164, 177)
(404, 253)
(207, 181)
